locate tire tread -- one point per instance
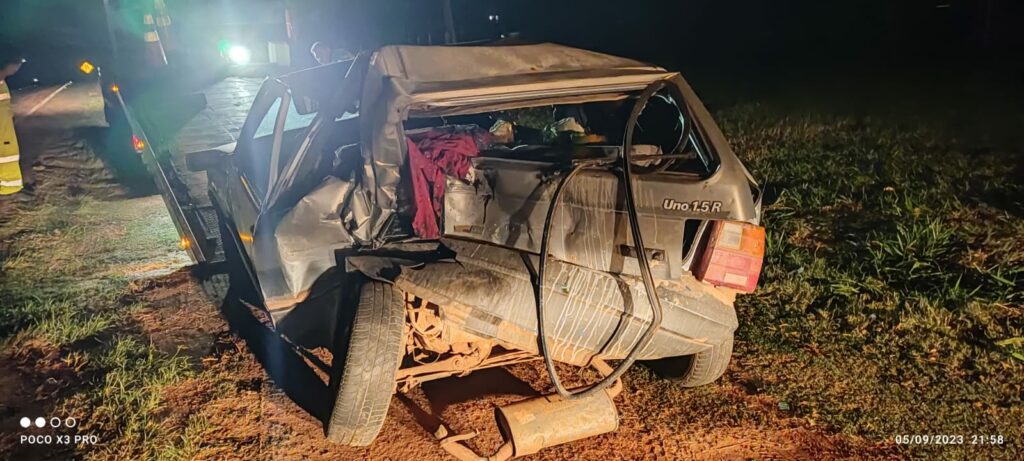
(372, 356)
(708, 365)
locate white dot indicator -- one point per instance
(54, 422)
(70, 422)
(40, 421)
(25, 422)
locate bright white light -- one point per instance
(239, 55)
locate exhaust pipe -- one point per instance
(531, 425)
(549, 420)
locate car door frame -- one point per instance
(347, 94)
(234, 191)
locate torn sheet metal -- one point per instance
(341, 214)
(469, 78)
(591, 313)
(307, 237)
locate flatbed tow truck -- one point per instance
(164, 99)
(224, 106)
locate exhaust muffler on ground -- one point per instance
(534, 424)
(549, 420)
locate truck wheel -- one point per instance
(695, 370)
(367, 356)
(119, 155)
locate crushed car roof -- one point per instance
(460, 63)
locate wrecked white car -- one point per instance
(477, 206)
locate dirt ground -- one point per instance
(259, 421)
(247, 394)
(247, 415)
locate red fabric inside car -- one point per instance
(432, 156)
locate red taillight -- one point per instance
(138, 144)
(733, 256)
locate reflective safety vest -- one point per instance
(10, 170)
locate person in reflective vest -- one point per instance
(10, 169)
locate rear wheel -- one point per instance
(120, 155)
(695, 370)
(367, 356)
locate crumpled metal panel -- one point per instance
(384, 154)
(308, 235)
(590, 313)
(340, 214)
(383, 143)
(400, 76)
(509, 200)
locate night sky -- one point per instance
(705, 31)
(680, 34)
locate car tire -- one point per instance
(367, 355)
(695, 370)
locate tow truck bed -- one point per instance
(227, 104)
(217, 123)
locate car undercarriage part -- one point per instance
(531, 425)
(626, 169)
(489, 293)
(435, 351)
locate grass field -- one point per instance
(891, 299)
(66, 290)
(890, 303)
